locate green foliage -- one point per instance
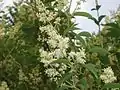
(111, 85)
(101, 17)
(86, 34)
(92, 69)
(99, 50)
(85, 14)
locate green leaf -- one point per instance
(71, 27)
(99, 50)
(105, 60)
(114, 32)
(83, 81)
(85, 14)
(111, 85)
(66, 77)
(82, 41)
(87, 34)
(112, 25)
(92, 69)
(93, 9)
(101, 17)
(95, 20)
(75, 28)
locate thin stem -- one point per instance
(70, 5)
(75, 8)
(96, 2)
(99, 28)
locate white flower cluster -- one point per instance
(46, 15)
(54, 40)
(57, 21)
(58, 50)
(46, 57)
(22, 76)
(4, 86)
(78, 56)
(61, 4)
(108, 75)
(35, 76)
(56, 72)
(52, 73)
(57, 44)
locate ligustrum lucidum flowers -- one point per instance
(108, 75)
(4, 86)
(56, 45)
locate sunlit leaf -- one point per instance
(83, 81)
(92, 69)
(66, 77)
(112, 25)
(85, 14)
(82, 41)
(111, 85)
(99, 50)
(86, 34)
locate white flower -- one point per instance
(61, 4)
(43, 53)
(72, 55)
(58, 53)
(51, 16)
(57, 20)
(53, 43)
(46, 57)
(108, 75)
(22, 76)
(43, 17)
(62, 68)
(56, 65)
(4, 86)
(52, 73)
(52, 34)
(79, 58)
(82, 53)
(63, 43)
(109, 48)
